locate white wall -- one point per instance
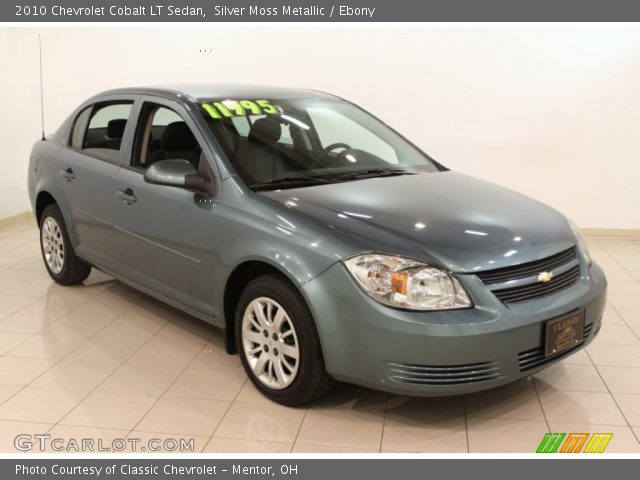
(551, 111)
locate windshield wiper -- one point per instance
(286, 181)
(371, 173)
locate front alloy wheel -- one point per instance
(278, 342)
(270, 343)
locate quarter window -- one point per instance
(79, 128)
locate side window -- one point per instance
(100, 127)
(163, 134)
(106, 127)
(79, 128)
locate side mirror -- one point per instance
(178, 173)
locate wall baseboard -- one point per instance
(619, 233)
(21, 217)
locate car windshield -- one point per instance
(274, 144)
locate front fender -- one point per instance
(251, 228)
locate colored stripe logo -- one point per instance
(598, 442)
(574, 443)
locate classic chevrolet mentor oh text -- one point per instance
(325, 244)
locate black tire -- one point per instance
(73, 270)
(311, 380)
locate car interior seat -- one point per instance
(177, 142)
(257, 156)
(115, 132)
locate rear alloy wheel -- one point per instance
(278, 342)
(52, 245)
(57, 252)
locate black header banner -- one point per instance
(319, 11)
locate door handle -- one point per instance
(126, 196)
(68, 173)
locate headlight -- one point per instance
(404, 283)
(582, 244)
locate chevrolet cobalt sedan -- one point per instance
(324, 244)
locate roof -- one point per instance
(201, 92)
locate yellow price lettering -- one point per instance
(238, 108)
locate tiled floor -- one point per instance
(103, 361)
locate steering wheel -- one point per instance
(329, 148)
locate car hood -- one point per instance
(454, 220)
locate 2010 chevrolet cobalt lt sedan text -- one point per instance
(324, 243)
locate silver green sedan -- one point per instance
(326, 245)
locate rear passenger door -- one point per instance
(88, 166)
(164, 234)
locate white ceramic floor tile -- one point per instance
(621, 379)
(24, 323)
(614, 355)
(21, 371)
(580, 407)
(423, 432)
(13, 304)
(7, 391)
(579, 378)
(72, 375)
(265, 422)
(159, 354)
(40, 405)
(230, 445)
(47, 346)
(359, 428)
(104, 350)
(110, 410)
(517, 401)
(495, 435)
(140, 380)
(630, 406)
(630, 315)
(616, 335)
(208, 384)
(186, 416)
(9, 341)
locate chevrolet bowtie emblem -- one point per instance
(545, 277)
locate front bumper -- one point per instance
(447, 352)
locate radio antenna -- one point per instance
(41, 88)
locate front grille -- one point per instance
(531, 289)
(443, 375)
(528, 269)
(538, 289)
(535, 357)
